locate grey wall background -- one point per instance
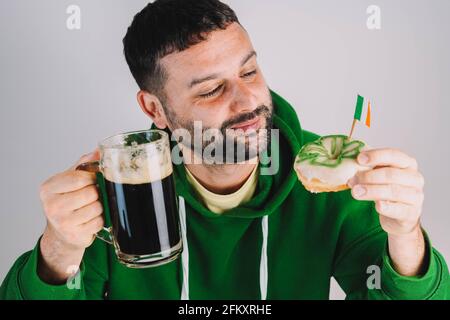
(62, 91)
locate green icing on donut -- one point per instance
(329, 151)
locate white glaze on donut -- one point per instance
(331, 176)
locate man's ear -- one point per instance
(152, 107)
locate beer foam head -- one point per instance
(137, 164)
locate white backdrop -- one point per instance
(61, 91)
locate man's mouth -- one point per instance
(248, 125)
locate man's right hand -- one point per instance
(74, 215)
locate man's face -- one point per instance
(218, 82)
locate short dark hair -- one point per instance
(167, 26)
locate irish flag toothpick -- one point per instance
(361, 107)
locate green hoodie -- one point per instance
(285, 243)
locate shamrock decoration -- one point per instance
(329, 151)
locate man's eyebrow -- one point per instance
(198, 81)
(195, 82)
(248, 57)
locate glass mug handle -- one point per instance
(94, 167)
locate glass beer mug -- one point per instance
(139, 193)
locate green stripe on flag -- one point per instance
(359, 107)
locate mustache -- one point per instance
(262, 110)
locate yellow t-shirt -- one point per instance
(219, 203)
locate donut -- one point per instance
(326, 164)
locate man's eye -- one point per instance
(212, 93)
(249, 74)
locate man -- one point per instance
(249, 235)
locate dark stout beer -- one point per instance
(144, 215)
(137, 172)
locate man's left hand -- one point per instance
(396, 186)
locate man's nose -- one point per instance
(243, 99)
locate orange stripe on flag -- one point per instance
(368, 116)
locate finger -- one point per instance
(388, 192)
(389, 175)
(395, 210)
(72, 201)
(387, 157)
(87, 213)
(93, 156)
(69, 181)
(93, 226)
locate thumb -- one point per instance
(93, 156)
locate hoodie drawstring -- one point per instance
(263, 263)
(185, 253)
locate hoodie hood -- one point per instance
(272, 190)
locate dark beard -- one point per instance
(233, 150)
(262, 136)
